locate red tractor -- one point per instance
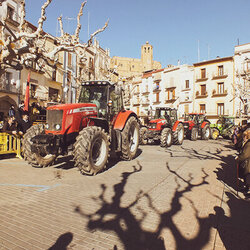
(89, 129)
(164, 127)
(196, 124)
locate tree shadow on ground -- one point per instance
(234, 228)
(112, 216)
(62, 242)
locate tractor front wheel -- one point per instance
(91, 150)
(178, 135)
(166, 137)
(215, 133)
(36, 159)
(194, 134)
(130, 139)
(143, 136)
(205, 133)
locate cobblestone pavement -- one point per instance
(182, 197)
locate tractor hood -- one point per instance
(157, 121)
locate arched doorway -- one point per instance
(5, 103)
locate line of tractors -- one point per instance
(98, 125)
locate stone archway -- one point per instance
(5, 103)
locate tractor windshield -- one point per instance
(162, 114)
(96, 95)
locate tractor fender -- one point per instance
(204, 124)
(122, 118)
(175, 125)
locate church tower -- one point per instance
(147, 57)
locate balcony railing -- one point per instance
(5, 86)
(217, 94)
(220, 75)
(202, 79)
(198, 94)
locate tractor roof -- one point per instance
(100, 83)
(196, 114)
(165, 108)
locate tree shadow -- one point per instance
(113, 216)
(62, 242)
(233, 228)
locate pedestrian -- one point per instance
(11, 111)
(244, 161)
(24, 124)
(9, 126)
(20, 111)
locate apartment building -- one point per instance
(213, 87)
(242, 80)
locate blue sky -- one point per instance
(173, 27)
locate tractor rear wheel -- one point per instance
(166, 137)
(178, 135)
(205, 133)
(194, 134)
(35, 159)
(143, 138)
(91, 150)
(215, 133)
(130, 139)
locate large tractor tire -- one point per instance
(91, 150)
(130, 139)
(178, 135)
(35, 159)
(166, 137)
(205, 133)
(143, 139)
(215, 133)
(194, 134)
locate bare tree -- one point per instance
(23, 46)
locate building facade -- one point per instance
(213, 88)
(242, 80)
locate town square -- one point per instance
(124, 125)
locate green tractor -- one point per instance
(224, 127)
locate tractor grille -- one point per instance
(54, 118)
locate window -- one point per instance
(220, 87)
(220, 70)
(202, 108)
(187, 84)
(69, 59)
(53, 94)
(10, 13)
(220, 108)
(54, 75)
(33, 90)
(157, 97)
(68, 76)
(171, 94)
(203, 73)
(186, 108)
(203, 89)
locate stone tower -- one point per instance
(147, 57)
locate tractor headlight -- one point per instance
(57, 126)
(47, 126)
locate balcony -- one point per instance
(220, 76)
(171, 100)
(5, 86)
(219, 94)
(202, 79)
(198, 94)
